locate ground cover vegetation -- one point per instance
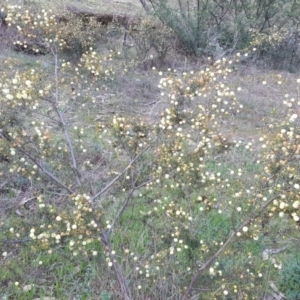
(153, 156)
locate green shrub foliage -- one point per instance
(216, 28)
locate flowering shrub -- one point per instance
(175, 204)
(39, 31)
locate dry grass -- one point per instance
(262, 95)
(127, 7)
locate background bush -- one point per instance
(216, 28)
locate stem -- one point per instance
(208, 262)
(125, 204)
(45, 171)
(63, 123)
(120, 277)
(145, 6)
(16, 241)
(122, 173)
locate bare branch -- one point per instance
(16, 241)
(145, 6)
(45, 171)
(3, 184)
(63, 123)
(120, 277)
(134, 188)
(208, 262)
(109, 185)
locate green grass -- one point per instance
(54, 275)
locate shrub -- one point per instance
(151, 36)
(38, 30)
(170, 206)
(278, 49)
(216, 28)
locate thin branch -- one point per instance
(145, 6)
(109, 185)
(236, 40)
(49, 117)
(113, 181)
(134, 188)
(45, 171)
(218, 4)
(120, 277)
(208, 262)
(16, 241)
(224, 12)
(3, 184)
(62, 121)
(182, 12)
